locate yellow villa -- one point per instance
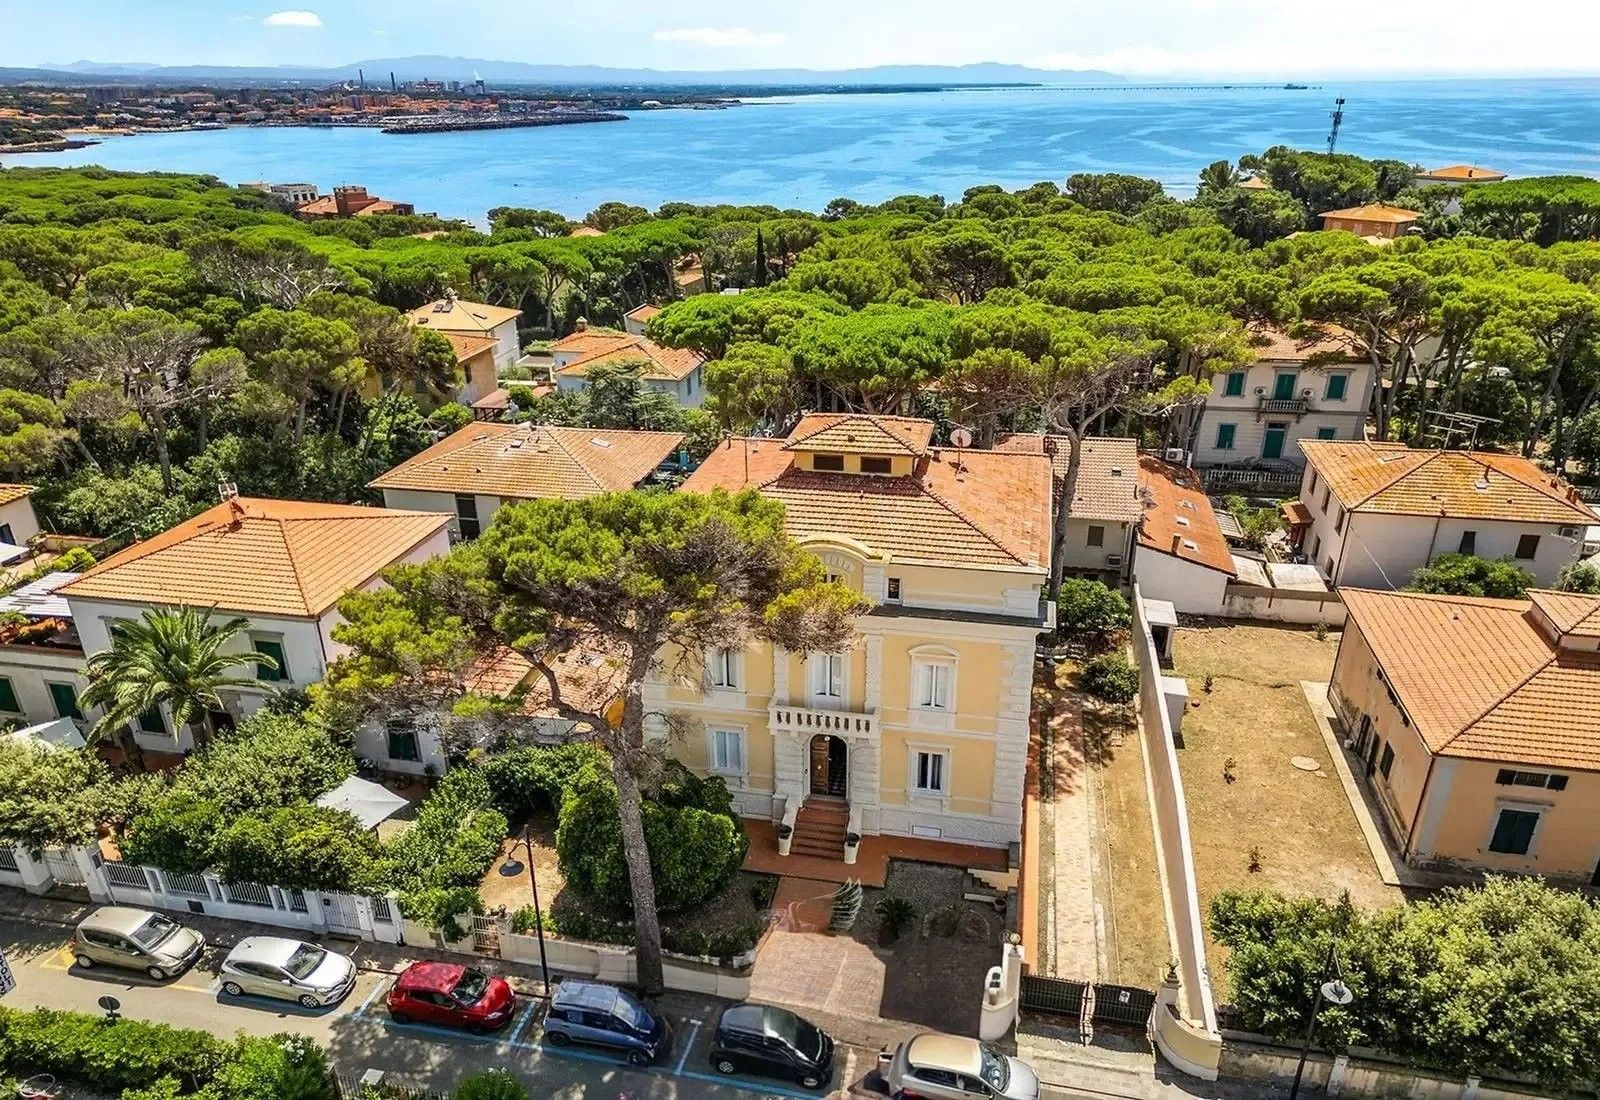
(921, 728)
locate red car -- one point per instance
(452, 995)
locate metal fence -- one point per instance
(1104, 1003)
(1056, 996)
(1217, 478)
(1125, 1005)
(123, 874)
(351, 1088)
(8, 861)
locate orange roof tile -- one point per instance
(456, 315)
(468, 346)
(1374, 212)
(1255, 183)
(9, 493)
(1108, 473)
(1270, 343)
(1178, 518)
(966, 508)
(1571, 613)
(860, 433)
(643, 313)
(592, 346)
(252, 555)
(530, 461)
(1398, 480)
(1480, 679)
(1462, 173)
(588, 680)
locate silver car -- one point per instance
(136, 939)
(948, 1067)
(293, 970)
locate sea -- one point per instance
(802, 151)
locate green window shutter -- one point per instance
(402, 742)
(269, 647)
(1225, 437)
(1513, 833)
(8, 697)
(1337, 384)
(1327, 433)
(1235, 386)
(1283, 387)
(151, 721)
(65, 698)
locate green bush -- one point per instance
(1469, 575)
(176, 833)
(1112, 677)
(1503, 977)
(1579, 576)
(496, 1084)
(306, 846)
(1091, 611)
(284, 1067)
(106, 1055)
(696, 842)
(534, 777)
(437, 863)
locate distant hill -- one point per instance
(377, 71)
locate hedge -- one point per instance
(1111, 677)
(437, 863)
(534, 777)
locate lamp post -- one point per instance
(510, 868)
(1335, 992)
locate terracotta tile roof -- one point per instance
(1177, 511)
(1255, 183)
(1374, 212)
(1462, 173)
(9, 493)
(456, 315)
(1572, 613)
(1100, 493)
(252, 555)
(529, 461)
(468, 346)
(858, 433)
(1295, 513)
(991, 510)
(643, 313)
(1394, 479)
(592, 346)
(589, 681)
(1480, 679)
(1271, 343)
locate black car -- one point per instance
(772, 1042)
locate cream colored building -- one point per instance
(920, 728)
(1106, 507)
(1475, 724)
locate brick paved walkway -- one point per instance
(1069, 940)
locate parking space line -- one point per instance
(585, 1056)
(688, 1045)
(60, 959)
(522, 1025)
(759, 1087)
(373, 996)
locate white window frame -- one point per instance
(1538, 809)
(913, 769)
(923, 714)
(713, 739)
(834, 699)
(728, 663)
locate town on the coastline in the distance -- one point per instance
(1059, 641)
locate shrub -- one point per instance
(1469, 575)
(534, 777)
(1111, 677)
(1579, 576)
(177, 833)
(894, 915)
(306, 846)
(496, 1084)
(696, 842)
(284, 1067)
(1091, 611)
(50, 796)
(437, 863)
(107, 1055)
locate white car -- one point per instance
(948, 1067)
(293, 970)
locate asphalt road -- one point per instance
(359, 1035)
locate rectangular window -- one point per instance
(727, 751)
(402, 738)
(1283, 385)
(1234, 387)
(1225, 434)
(65, 699)
(1311, 486)
(872, 464)
(419, 385)
(1338, 519)
(1469, 542)
(1316, 545)
(467, 515)
(1527, 547)
(832, 464)
(1338, 384)
(1325, 497)
(932, 683)
(8, 697)
(271, 647)
(1327, 433)
(1097, 535)
(929, 773)
(827, 676)
(1386, 761)
(152, 721)
(1509, 777)
(891, 590)
(1513, 832)
(722, 668)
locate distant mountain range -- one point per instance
(377, 72)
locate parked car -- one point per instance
(603, 1015)
(452, 995)
(136, 939)
(272, 966)
(949, 1067)
(772, 1042)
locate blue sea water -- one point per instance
(803, 151)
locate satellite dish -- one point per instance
(961, 437)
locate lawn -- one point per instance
(1255, 819)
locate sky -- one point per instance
(1166, 38)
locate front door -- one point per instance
(829, 759)
(1272, 445)
(1283, 386)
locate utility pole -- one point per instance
(1338, 121)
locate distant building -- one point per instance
(1377, 220)
(1180, 554)
(474, 322)
(637, 318)
(350, 202)
(1255, 183)
(18, 524)
(677, 371)
(1105, 509)
(1459, 174)
(1298, 388)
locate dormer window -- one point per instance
(876, 464)
(830, 464)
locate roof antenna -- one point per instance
(227, 490)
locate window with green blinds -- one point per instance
(271, 647)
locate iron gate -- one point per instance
(486, 934)
(1057, 996)
(62, 867)
(1126, 1005)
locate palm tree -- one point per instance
(168, 656)
(1219, 175)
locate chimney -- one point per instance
(1177, 543)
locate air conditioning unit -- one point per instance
(1113, 561)
(1568, 532)
(1176, 455)
(1261, 391)
(1305, 393)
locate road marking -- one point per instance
(373, 996)
(688, 1045)
(759, 1087)
(61, 959)
(522, 1025)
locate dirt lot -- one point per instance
(1249, 805)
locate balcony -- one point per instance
(806, 722)
(1282, 406)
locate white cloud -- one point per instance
(292, 19)
(720, 37)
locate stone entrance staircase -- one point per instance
(819, 828)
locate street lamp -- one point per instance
(511, 868)
(1335, 992)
